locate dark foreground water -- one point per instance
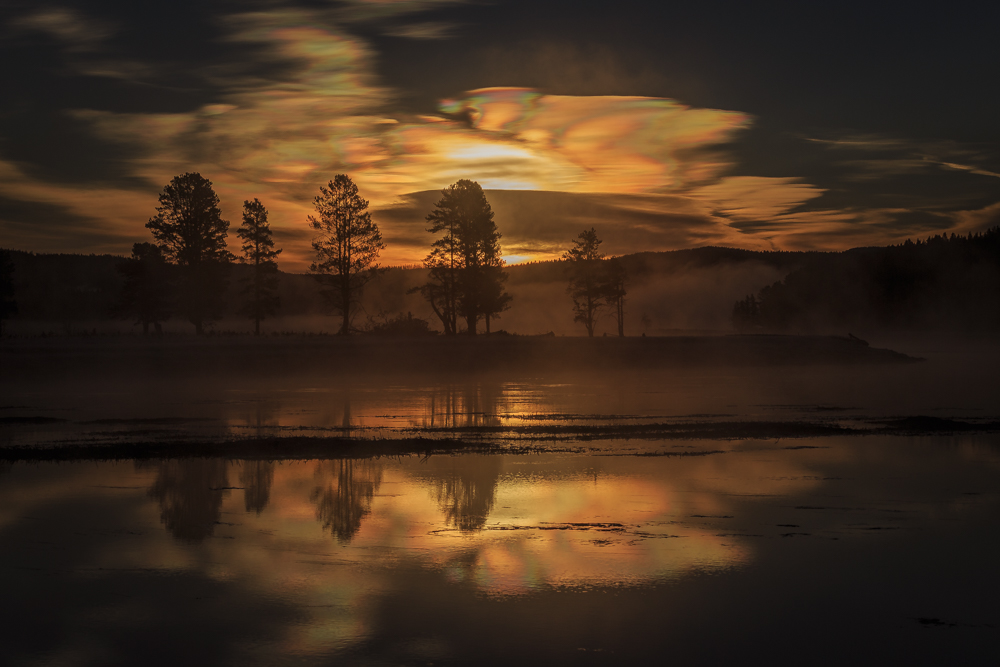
(578, 518)
(870, 550)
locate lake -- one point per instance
(563, 531)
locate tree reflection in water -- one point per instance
(343, 494)
(190, 494)
(261, 414)
(466, 489)
(345, 423)
(256, 478)
(463, 406)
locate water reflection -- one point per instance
(608, 552)
(346, 421)
(401, 406)
(256, 478)
(190, 493)
(463, 405)
(261, 413)
(465, 489)
(343, 494)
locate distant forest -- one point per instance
(943, 283)
(687, 289)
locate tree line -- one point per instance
(943, 282)
(184, 271)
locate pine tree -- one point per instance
(466, 267)
(189, 226)
(347, 246)
(587, 280)
(615, 291)
(259, 253)
(495, 299)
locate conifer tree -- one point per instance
(189, 227)
(259, 253)
(615, 291)
(347, 245)
(587, 280)
(466, 266)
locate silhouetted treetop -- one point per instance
(466, 264)
(189, 226)
(188, 221)
(347, 245)
(259, 253)
(587, 279)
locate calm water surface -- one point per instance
(57, 408)
(865, 549)
(838, 550)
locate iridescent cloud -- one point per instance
(650, 173)
(278, 140)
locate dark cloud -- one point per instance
(26, 225)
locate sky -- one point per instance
(664, 125)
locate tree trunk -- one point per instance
(487, 325)
(345, 299)
(256, 293)
(621, 318)
(453, 306)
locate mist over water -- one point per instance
(97, 394)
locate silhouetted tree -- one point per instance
(259, 252)
(146, 290)
(645, 321)
(495, 299)
(587, 279)
(615, 291)
(348, 244)
(466, 267)
(189, 225)
(8, 304)
(746, 314)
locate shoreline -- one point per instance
(434, 353)
(505, 440)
